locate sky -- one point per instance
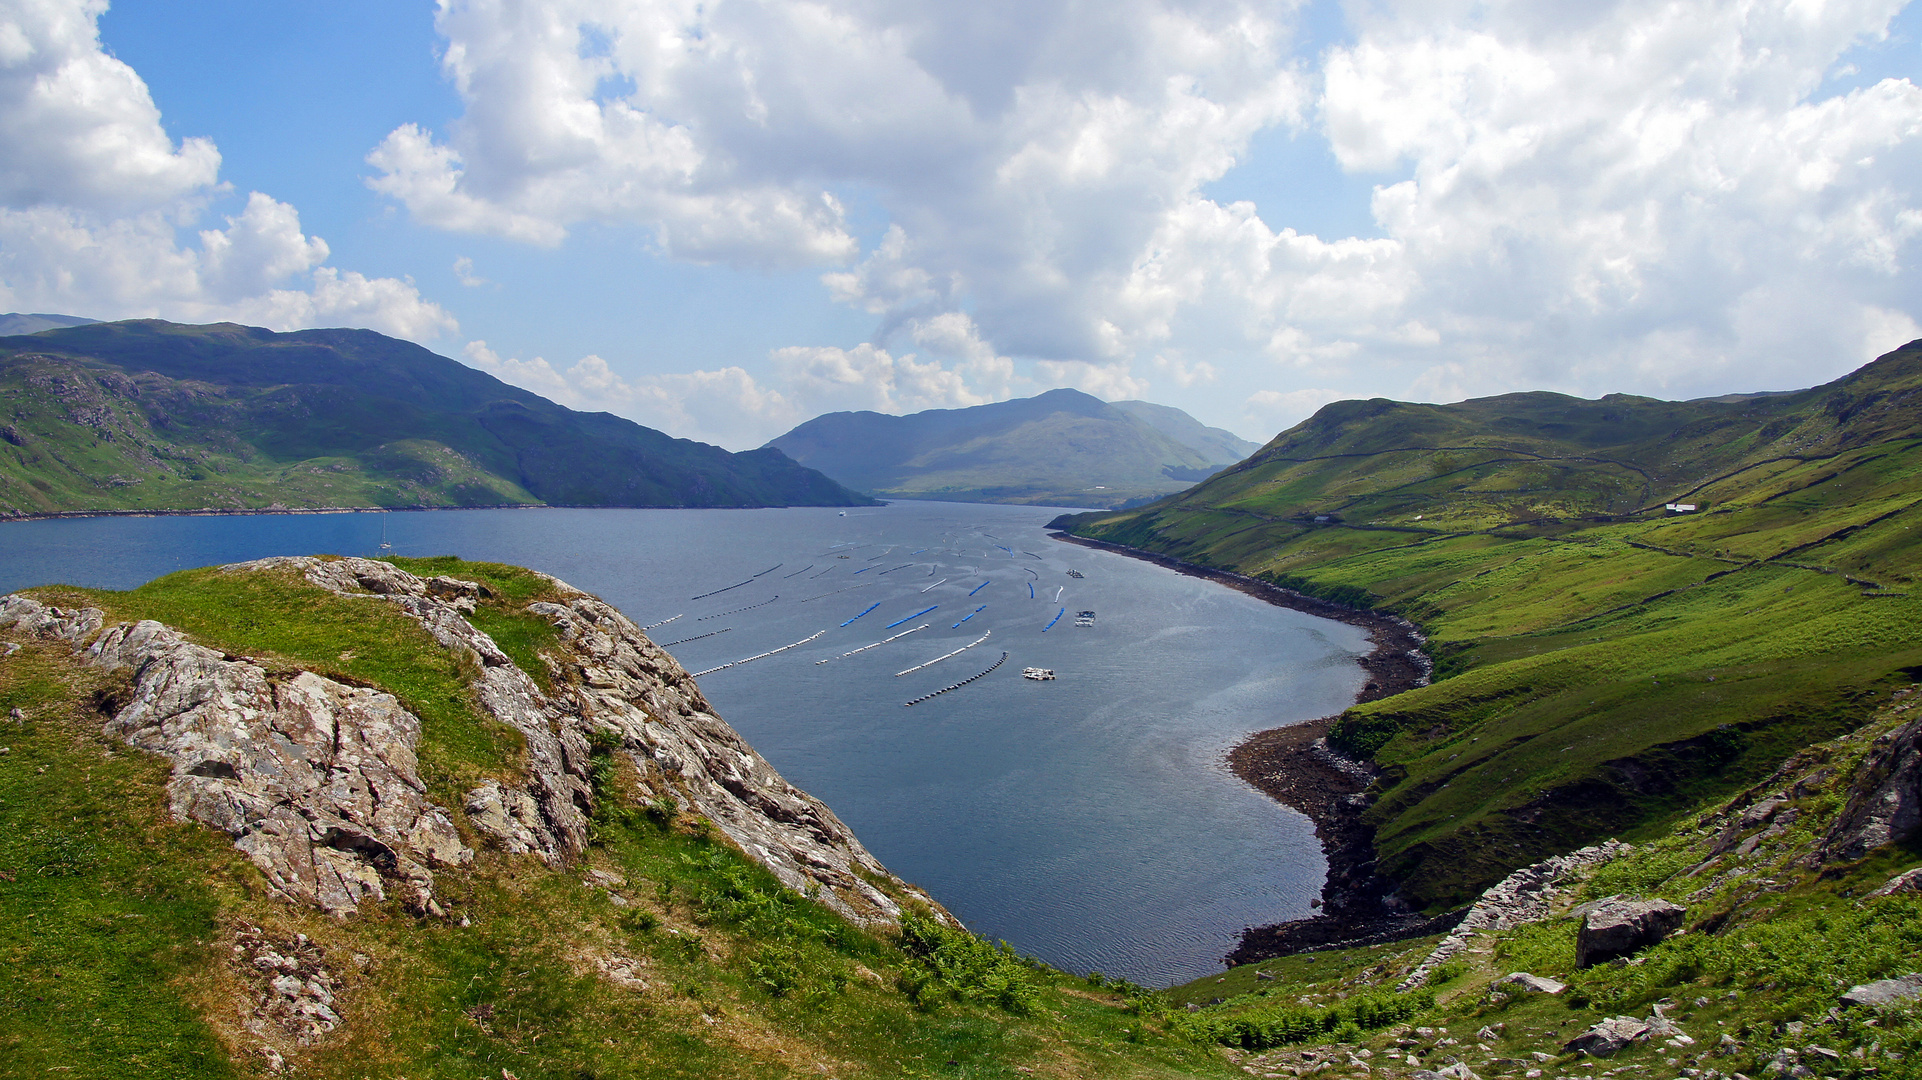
(721, 218)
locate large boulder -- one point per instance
(1619, 926)
(1885, 992)
(1607, 1037)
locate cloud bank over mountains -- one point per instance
(95, 197)
(1674, 199)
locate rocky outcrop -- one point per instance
(1608, 1037)
(1885, 801)
(613, 685)
(315, 780)
(1619, 926)
(1530, 984)
(1885, 992)
(1521, 897)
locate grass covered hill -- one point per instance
(1061, 448)
(150, 415)
(1602, 662)
(138, 944)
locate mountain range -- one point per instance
(1060, 448)
(152, 415)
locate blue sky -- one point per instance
(723, 218)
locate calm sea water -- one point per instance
(1089, 821)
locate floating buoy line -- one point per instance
(799, 572)
(1058, 592)
(663, 622)
(829, 570)
(944, 656)
(1056, 619)
(1037, 577)
(883, 641)
(718, 592)
(970, 615)
(916, 615)
(759, 656)
(1031, 555)
(943, 581)
(696, 637)
(1030, 590)
(769, 570)
(870, 607)
(738, 610)
(979, 587)
(959, 685)
(885, 573)
(837, 592)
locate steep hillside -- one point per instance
(1601, 662)
(1061, 448)
(1778, 933)
(333, 818)
(148, 415)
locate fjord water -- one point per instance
(1089, 821)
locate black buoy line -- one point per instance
(769, 570)
(718, 592)
(696, 637)
(759, 656)
(738, 610)
(903, 566)
(850, 588)
(959, 685)
(799, 572)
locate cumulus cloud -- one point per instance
(1636, 195)
(94, 198)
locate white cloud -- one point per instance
(1637, 195)
(464, 273)
(94, 196)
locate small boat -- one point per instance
(1038, 674)
(1084, 618)
(1074, 573)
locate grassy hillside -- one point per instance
(1769, 945)
(1061, 448)
(1601, 663)
(127, 938)
(148, 415)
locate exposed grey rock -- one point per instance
(1534, 984)
(1885, 799)
(316, 781)
(1607, 1037)
(613, 680)
(1907, 881)
(509, 817)
(1521, 897)
(1621, 927)
(1886, 991)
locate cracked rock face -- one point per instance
(1885, 804)
(611, 680)
(316, 781)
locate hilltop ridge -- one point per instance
(151, 415)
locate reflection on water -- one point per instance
(1088, 820)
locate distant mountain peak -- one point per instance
(1063, 447)
(14, 323)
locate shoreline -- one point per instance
(1295, 766)
(215, 511)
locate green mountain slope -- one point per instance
(1601, 662)
(1060, 448)
(149, 415)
